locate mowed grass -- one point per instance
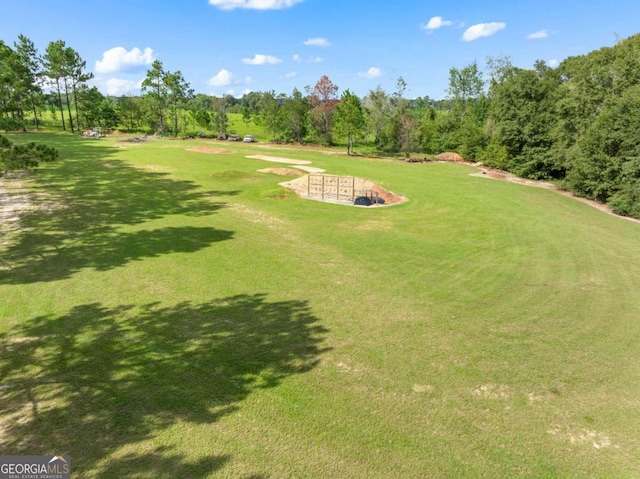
(168, 313)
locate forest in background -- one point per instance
(577, 124)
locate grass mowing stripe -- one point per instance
(192, 320)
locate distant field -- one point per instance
(50, 122)
(169, 313)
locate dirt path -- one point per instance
(13, 200)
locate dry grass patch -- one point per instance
(206, 149)
(282, 171)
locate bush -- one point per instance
(22, 157)
(626, 202)
(495, 155)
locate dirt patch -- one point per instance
(511, 178)
(422, 388)
(580, 436)
(389, 197)
(450, 156)
(206, 149)
(492, 391)
(282, 171)
(277, 159)
(16, 198)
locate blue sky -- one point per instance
(234, 46)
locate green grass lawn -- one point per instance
(168, 313)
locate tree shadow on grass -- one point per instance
(88, 201)
(100, 384)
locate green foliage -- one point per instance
(466, 90)
(202, 118)
(156, 92)
(108, 113)
(129, 110)
(219, 116)
(495, 155)
(428, 132)
(296, 112)
(349, 119)
(22, 157)
(272, 114)
(607, 163)
(522, 113)
(65, 69)
(626, 201)
(378, 109)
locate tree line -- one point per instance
(577, 124)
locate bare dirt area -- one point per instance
(276, 159)
(15, 199)
(206, 149)
(389, 197)
(505, 176)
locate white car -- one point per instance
(249, 139)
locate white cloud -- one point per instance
(435, 23)
(291, 75)
(317, 42)
(299, 59)
(222, 78)
(253, 4)
(235, 94)
(371, 73)
(539, 34)
(261, 60)
(554, 63)
(117, 86)
(482, 30)
(118, 59)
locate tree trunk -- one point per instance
(64, 128)
(66, 93)
(35, 113)
(21, 114)
(75, 103)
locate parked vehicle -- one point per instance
(234, 138)
(249, 139)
